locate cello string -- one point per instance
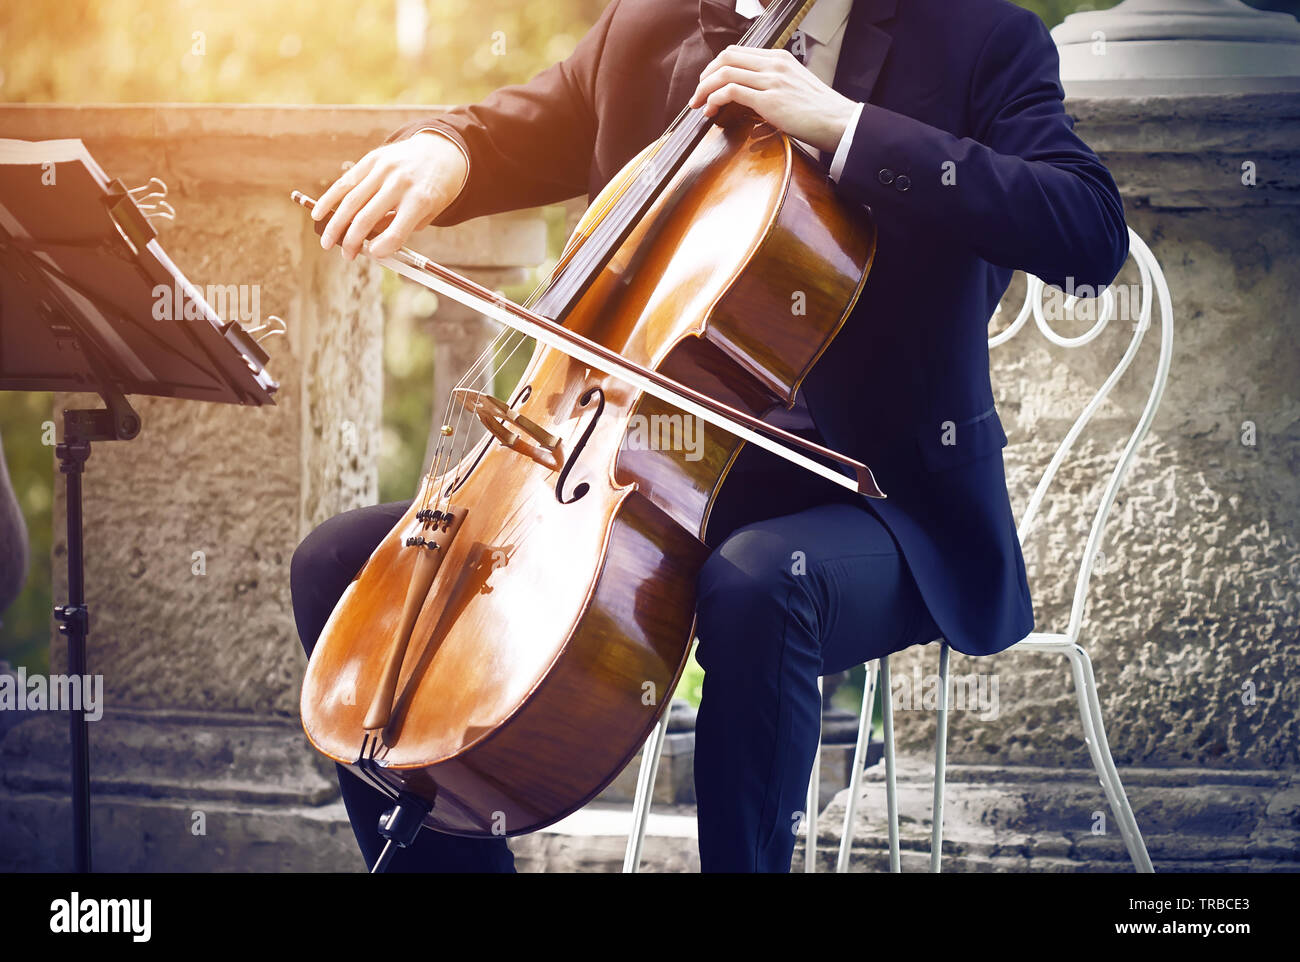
(452, 447)
(583, 264)
(617, 211)
(486, 387)
(671, 140)
(436, 462)
(456, 453)
(489, 366)
(489, 356)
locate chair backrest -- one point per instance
(1152, 290)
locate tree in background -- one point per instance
(306, 51)
(13, 541)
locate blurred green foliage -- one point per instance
(295, 51)
(25, 625)
(306, 51)
(290, 51)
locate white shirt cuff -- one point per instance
(842, 151)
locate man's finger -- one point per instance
(754, 79)
(356, 198)
(752, 58)
(413, 212)
(375, 210)
(345, 182)
(734, 94)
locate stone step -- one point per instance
(1030, 819)
(594, 839)
(173, 754)
(218, 794)
(133, 834)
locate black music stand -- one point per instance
(82, 309)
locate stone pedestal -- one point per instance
(1146, 47)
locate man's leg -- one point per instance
(781, 602)
(322, 568)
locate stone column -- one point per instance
(199, 762)
(1144, 47)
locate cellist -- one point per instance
(947, 122)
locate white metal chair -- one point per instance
(1153, 289)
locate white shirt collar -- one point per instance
(822, 22)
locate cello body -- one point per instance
(562, 611)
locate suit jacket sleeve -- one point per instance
(527, 144)
(1028, 193)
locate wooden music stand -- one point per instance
(82, 284)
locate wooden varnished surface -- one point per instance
(553, 633)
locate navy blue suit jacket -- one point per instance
(970, 167)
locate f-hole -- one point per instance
(573, 459)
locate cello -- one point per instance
(513, 640)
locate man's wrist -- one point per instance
(452, 140)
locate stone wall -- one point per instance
(1193, 612)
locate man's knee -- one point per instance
(752, 564)
(746, 589)
(728, 580)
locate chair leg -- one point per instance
(891, 774)
(645, 785)
(1094, 731)
(859, 761)
(940, 761)
(814, 799)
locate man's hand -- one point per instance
(417, 177)
(781, 90)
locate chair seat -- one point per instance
(1044, 641)
(1037, 639)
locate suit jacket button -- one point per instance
(903, 182)
(886, 176)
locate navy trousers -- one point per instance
(781, 601)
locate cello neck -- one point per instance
(772, 29)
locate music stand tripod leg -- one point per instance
(116, 422)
